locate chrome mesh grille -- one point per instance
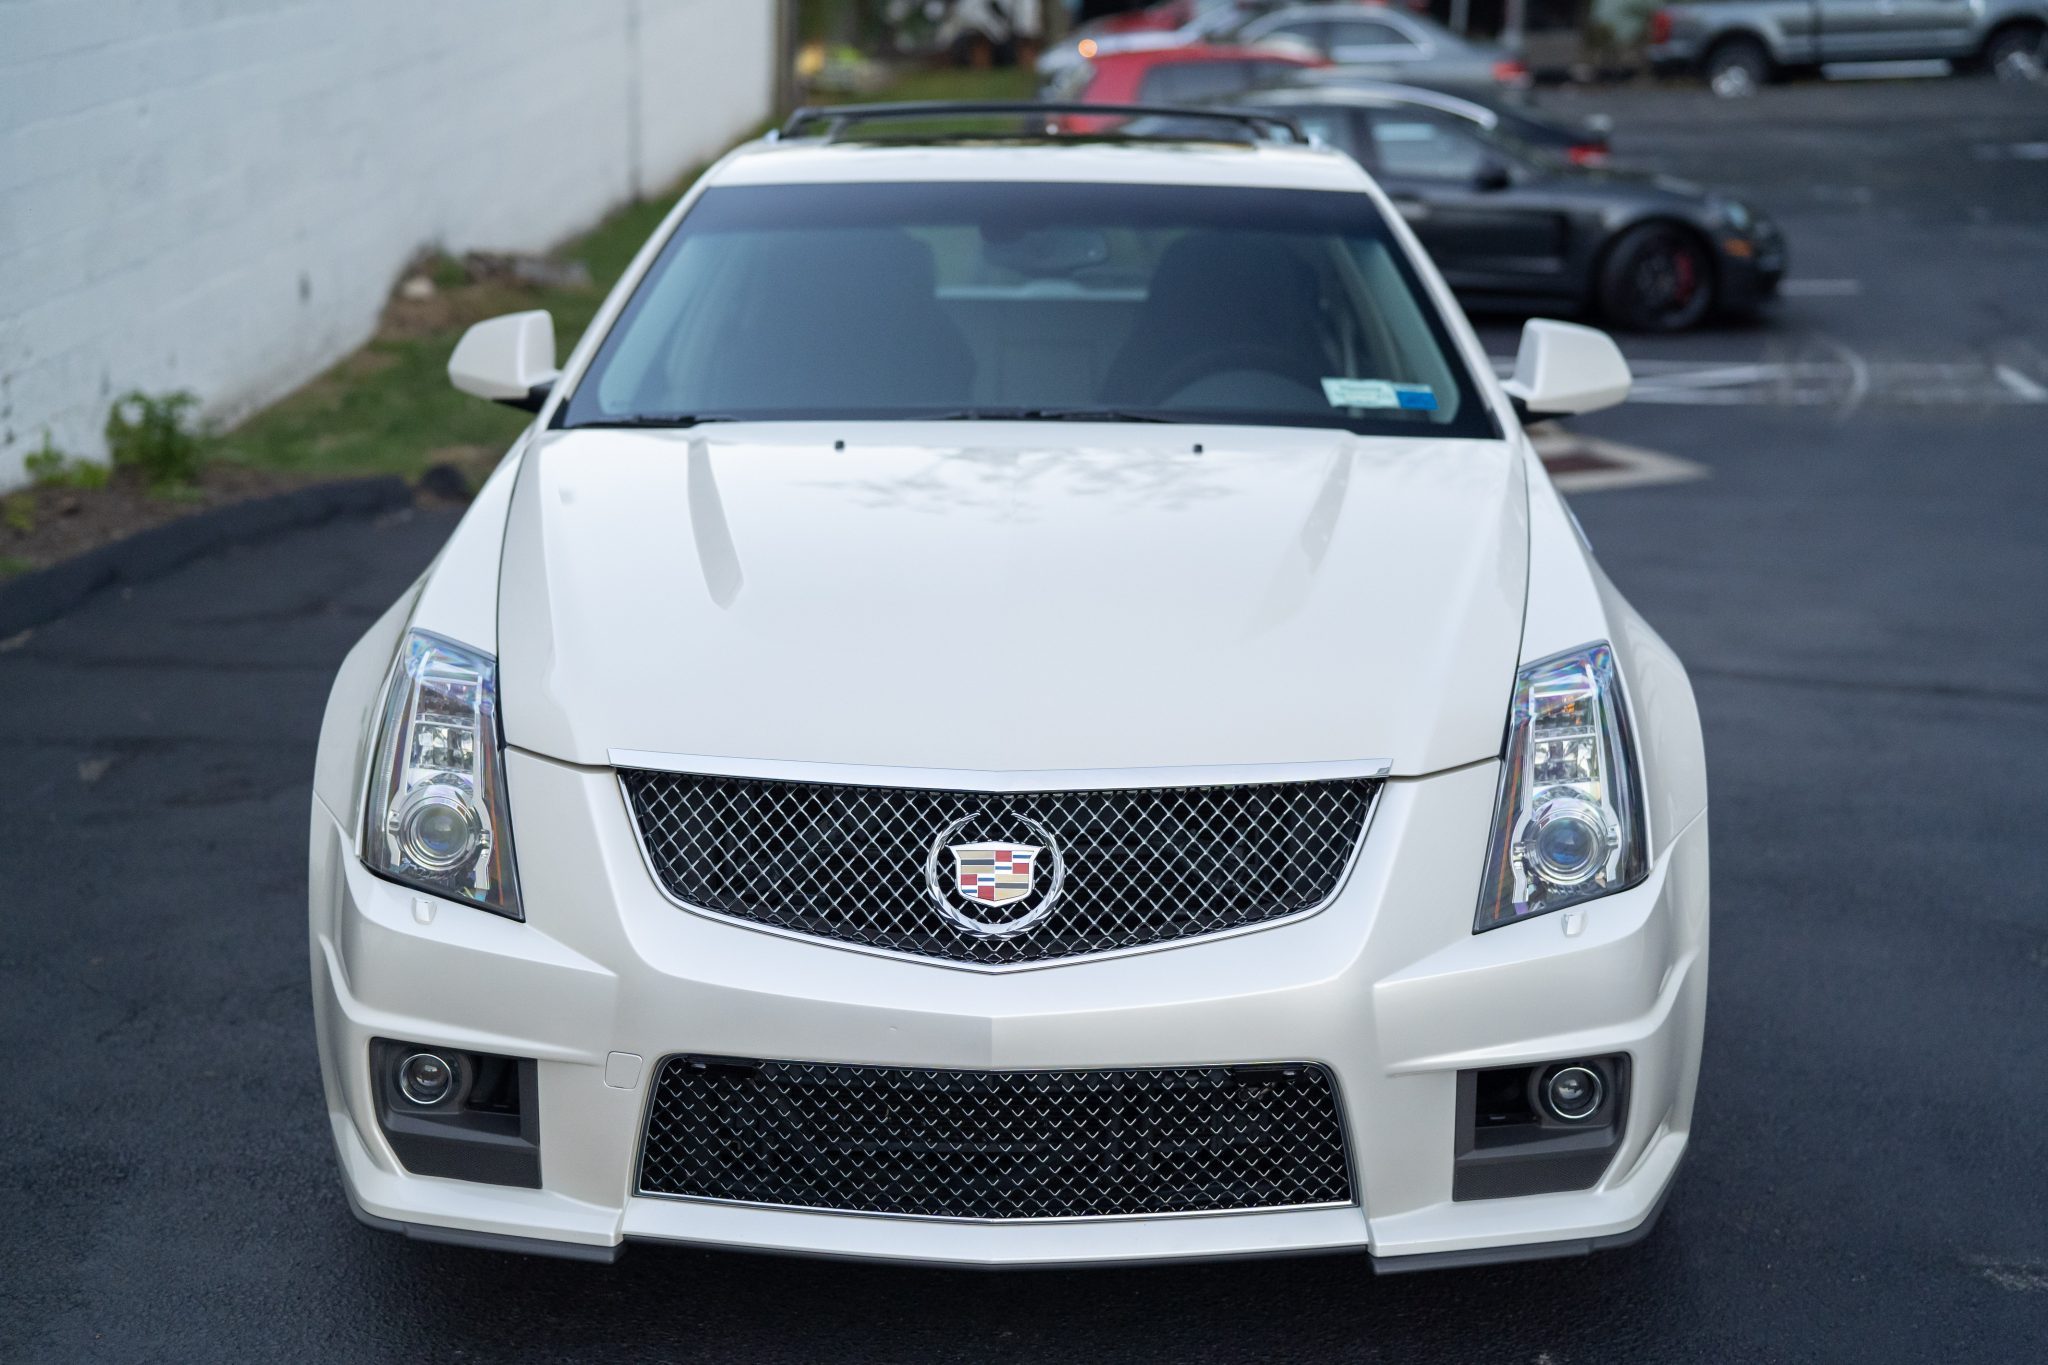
(1140, 866)
(995, 1144)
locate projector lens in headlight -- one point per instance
(1567, 840)
(438, 829)
(1569, 824)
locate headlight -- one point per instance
(435, 816)
(1735, 215)
(1569, 824)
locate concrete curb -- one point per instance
(46, 594)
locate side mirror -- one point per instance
(1491, 176)
(1563, 368)
(509, 360)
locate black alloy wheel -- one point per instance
(1657, 278)
(2019, 53)
(1737, 68)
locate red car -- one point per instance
(1177, 75)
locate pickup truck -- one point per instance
(1738, 45)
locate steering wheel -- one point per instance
(1218, 359)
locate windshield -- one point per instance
(1419, 143)
(1032, 301)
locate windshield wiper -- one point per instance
(1052, 415)
(664, 420)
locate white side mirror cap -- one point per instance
(1563, 368)
(510, 359)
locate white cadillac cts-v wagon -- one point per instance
(1023, 700)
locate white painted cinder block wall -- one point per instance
(218, 195)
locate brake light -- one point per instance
(1660, 26)
(1510, 72)
(1588, 154)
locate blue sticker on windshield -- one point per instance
(1378, 393)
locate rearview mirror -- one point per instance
(1563, 368)
(1491, 176)
(509, 360)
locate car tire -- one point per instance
(2018, 52)
(1657, 277)
(1737, 68)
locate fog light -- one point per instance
(1572, 1093)
(426, 1078)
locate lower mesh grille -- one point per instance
(995, 1144)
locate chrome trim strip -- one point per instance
(1037, 964)
(639, 1193)
(999, 780)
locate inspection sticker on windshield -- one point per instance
(1378, 393)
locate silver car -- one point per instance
(1738, 45)
(1378, 40)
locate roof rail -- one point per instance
(837, 118)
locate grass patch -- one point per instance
(149, 433)
(951, 83)
(389, 409)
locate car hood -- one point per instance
(1013, 596)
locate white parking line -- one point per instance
(2011, 151)
(1726, 398)
(2027, 389)
(1843, 384)
(1718, 377)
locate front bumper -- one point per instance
(1749, 274)
(1387, 987)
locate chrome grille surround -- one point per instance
(849, 863)
(995, 1145)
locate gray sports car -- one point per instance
(1515, 225)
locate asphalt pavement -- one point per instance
(1859, 585)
